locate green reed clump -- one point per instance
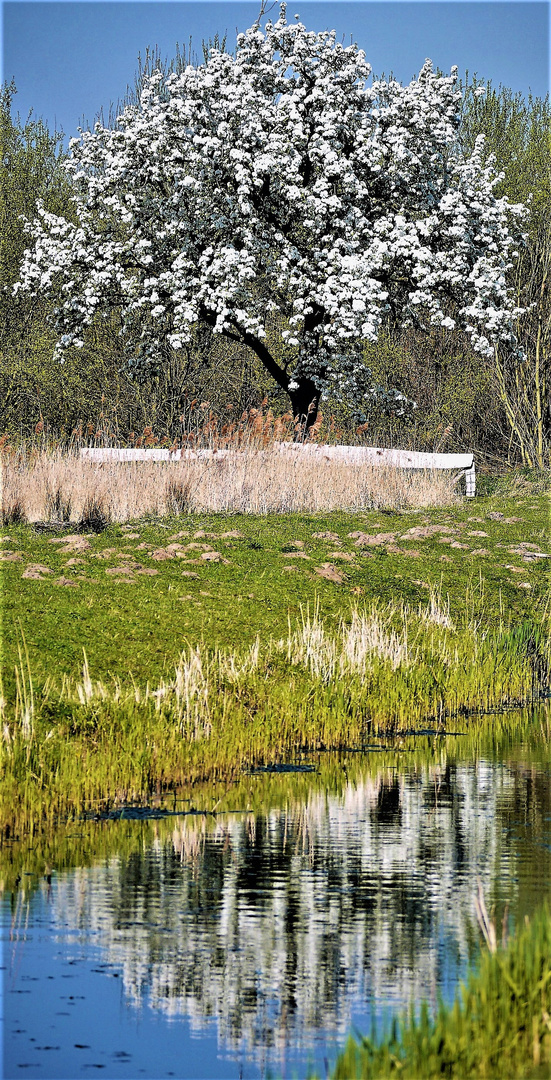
(50, 818)
(499, 1025)
(383, 672)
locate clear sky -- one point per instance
(70, 59)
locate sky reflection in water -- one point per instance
(248, 944)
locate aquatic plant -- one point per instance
(386, 671)
(499, 1025)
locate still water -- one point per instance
(249, 942)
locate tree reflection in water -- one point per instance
(281, 925)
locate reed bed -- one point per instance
(56, 843)
(56, 485)
(499, 1025)
(384, 672)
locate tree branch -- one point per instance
(243, 337)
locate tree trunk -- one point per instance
(305, 402)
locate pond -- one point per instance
(248, 942)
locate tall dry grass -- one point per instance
(56, 485)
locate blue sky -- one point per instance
(69, 59)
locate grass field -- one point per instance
(183, 647)
(133, 596)
(164, 647)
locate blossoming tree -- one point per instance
(280, 186)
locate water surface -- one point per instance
(249, 942)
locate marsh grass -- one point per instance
(47, 485)
(380, 673)
(203, 804)
(499, 1025)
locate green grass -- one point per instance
(471, 631)
(499, 1025)
(141, 625)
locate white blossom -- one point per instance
(281, 182)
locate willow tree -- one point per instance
(280, 186)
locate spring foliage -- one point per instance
(280, 185)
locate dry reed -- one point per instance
(368, 635)
(56, 485)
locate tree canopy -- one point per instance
(280, 185)
(30, 171)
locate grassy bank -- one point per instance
(384, 672)
(189, 647)
(499, 1025)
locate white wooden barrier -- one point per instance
(398, 459)
(354, 455)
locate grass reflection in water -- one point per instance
(309, 901)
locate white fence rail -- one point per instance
(463, 464)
